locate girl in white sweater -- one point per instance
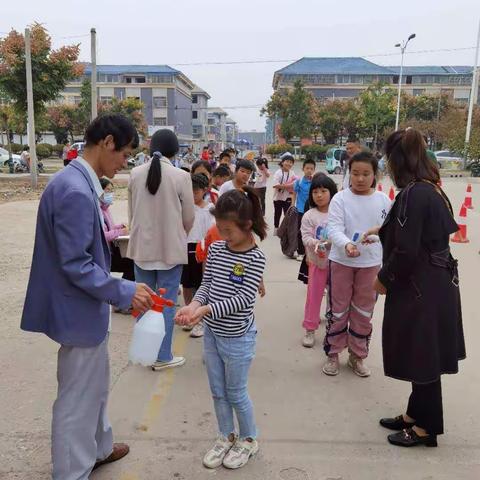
(353, 266)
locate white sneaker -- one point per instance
(174, 362)
(331, 366)
(240, 453)
(299, 258)
(214, 457)
(187, 328)
(358, 367)
(308, 340)
(197, 331)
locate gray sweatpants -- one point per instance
(81, 432)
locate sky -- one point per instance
(202, 31)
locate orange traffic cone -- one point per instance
(391, 195)
(380, 187)
(461, 234)
(468, 197)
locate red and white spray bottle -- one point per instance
(148, 332)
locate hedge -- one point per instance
(44, 150)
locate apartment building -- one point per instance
(217, 128)
(200, 100)
(166, 94)
(337, 78)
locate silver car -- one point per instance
(4, 156)
(449, 160)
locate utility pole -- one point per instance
(473, 95)
(93, 39)
(30, 111)
(403, 47)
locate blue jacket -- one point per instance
(70, 286)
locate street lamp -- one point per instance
(403, 47)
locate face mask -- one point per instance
(107, 198)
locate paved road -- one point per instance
(312, 427)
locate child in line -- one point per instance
(192, 272)
(301, 189)
(283, 184)
(220, 175)
(243, 172)
(225, 301)
(353, 266)
(263, 173)
(226, 160)
(317, 246)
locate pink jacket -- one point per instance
(112, 231)
(313, 229)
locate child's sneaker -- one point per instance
(240, 453)
(187, 328)
(197, 331)
(214, 457)
(357, 365)
(308, 340)
(331, 366)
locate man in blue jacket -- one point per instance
(69, 296)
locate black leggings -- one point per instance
(261, 192)
(280, 206)
(122, 264)
(300, 246)
(425, 407)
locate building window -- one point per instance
(159, 102)
(77, 100)
(106, 100)
(194, 98)
(133, 79)
(194, 114)
(160, 121)
(418, 91)
(160, 79)
(107, 78)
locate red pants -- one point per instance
(352, 300)
(317, 281)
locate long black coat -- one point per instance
(422, 325)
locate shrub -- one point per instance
(44, 150)
(17, 148)
(277, 149)
(315, 152)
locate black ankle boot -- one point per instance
(408, 438)
(397, 423)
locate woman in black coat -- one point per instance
(422, 326)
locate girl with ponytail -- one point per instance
(225, 301)
(161, 214)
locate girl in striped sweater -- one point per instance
(225, 302)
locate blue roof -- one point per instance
(360, 66)
(433, 70)
(121, 69)
(334, 65)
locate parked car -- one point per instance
(449, 160)
(4, 156)
(80, 146)
(333, 159)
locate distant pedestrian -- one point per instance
(69, 296)
(65, 150)
(205, 154)
(301, 189)
(283, 180)
(352, 147)
(263, 174)
(225, 301)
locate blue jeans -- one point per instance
(170, 281)
(228, 361)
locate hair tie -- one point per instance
(157, 154)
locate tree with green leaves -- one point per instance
(51, 69)
(378, 109)
(296, 109)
